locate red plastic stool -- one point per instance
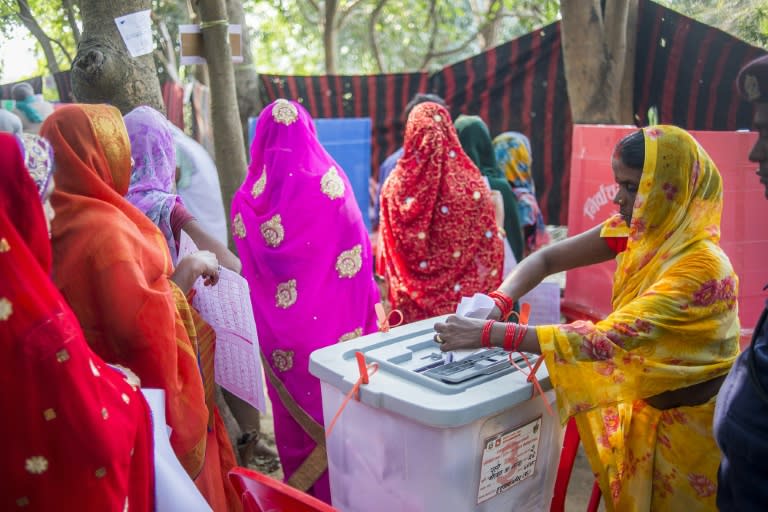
(572, 312)
(261, 493)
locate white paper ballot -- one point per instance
(477, 306)
(136, 31)
(174, 490)
(226, 306)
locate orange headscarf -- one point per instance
(112, 265)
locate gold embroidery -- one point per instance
(258, 186)
(109, 128)
(349, 262)
(351, 335)
(6, 309)
(4, 245)
(62, 355)
(22, 502)
(101, 472)
(286, 294)
(36, 465)
(282, 359)
(49, 414)
(284, 112)
(273, 231)
(751, 87)
(94, 370)
(331, 184)
(239, 226)
(104, 413)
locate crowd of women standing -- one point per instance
(97, 299)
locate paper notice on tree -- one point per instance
(191, 44)
(136, 31)
(226, 306)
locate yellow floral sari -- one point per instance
(674, 324)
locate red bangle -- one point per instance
(485, 337)
(510, 330)
(505, 303)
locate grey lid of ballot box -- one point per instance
(397, 388)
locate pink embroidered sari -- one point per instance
(307, 258)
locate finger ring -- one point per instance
(438, 339)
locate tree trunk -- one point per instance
(103, 70)
(598, 71)
(246, 78)
(227, 132)
(29, 21)
(330, 36)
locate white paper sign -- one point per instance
(191, 44)
(226, 306)
(174, 490)
(136, 30)
(508, 459)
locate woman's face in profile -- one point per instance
(628, 180)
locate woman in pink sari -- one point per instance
(307, 257)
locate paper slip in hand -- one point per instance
(477, 306)
(226, 306)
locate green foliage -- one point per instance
(288, 34)
(745, 19)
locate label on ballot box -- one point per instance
(508, 459)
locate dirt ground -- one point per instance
(579, 488)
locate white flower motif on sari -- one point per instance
(6, 309)
(351, 335)
(349, 262)
(332, 184)
(273, 231)
(282, 359)
(260, 184)
(286, 294)
(239, 226)
(36, 465)
(284, 112)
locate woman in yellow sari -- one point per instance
(641, 384)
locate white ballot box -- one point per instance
(429, 436)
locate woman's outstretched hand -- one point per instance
(200, 263)
(459, 332)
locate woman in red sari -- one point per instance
(113, 266)
(439, 237)
(78, 435)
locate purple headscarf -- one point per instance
(154, 170)
(307, 257)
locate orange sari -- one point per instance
(112, 264)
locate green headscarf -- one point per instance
(477, 144)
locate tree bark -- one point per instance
(596, 47)
(330, 36)
(29, 21)
(228, 135)
(246, 78)
(103, 70)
